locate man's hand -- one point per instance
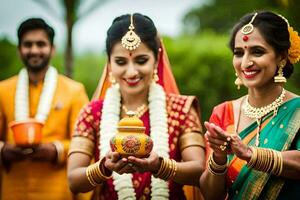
(45, 152)
(12, 153)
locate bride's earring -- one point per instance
(111, 78)
(155, 76)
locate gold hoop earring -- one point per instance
(155, 76)
(238, 82)
(280, 78)
(111, 78)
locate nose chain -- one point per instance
(138, 112)
(258, 113)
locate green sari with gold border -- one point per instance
(279, 133)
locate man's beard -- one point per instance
(36, 67)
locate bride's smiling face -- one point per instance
(133, 70)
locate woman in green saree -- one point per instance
(255, 140)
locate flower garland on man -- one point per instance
(37, 95)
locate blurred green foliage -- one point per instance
(9, 63)
(202, 67)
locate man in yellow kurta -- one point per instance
(38, 91)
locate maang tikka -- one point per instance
(131, 40)
(248, 28)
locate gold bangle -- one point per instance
(89, 176)
(167, 170)
(174, 171)
(94, 173)
(266, 160)
(1, 147)
(253, 158)
(160, 167)
(102, 169)
(60, 152)
(215, 173)
(214, 165)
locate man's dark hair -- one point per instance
(35, 24)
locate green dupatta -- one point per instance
(278, 134)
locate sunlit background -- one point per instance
(195, 33)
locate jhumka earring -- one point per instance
(111, 78)
(155, 76)
(280, 78)
(238, 82)
(131, 40)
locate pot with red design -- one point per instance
(131, 139)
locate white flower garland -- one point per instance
(158, 132)
(22, 97)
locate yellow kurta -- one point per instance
(40, 180)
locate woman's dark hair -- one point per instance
(143, 27)
(34, 24)
(273, 28)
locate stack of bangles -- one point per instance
(215, 168)
(167, 169)
(266, 160)
(95, 173)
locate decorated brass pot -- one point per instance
(131, 139)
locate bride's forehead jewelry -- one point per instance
(131, 40)
(248, 28)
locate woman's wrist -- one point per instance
(103, 168)
(248, 154)
(220, 159)
(157, 165)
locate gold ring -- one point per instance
(222, 147)
(225, 144)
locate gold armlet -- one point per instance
(191, 139)
(266, 160)
(81, 145)
(95, 174)
(60, 150)
(167, 169)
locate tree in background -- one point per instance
(220, 15)
(72, 14)
(9, 62)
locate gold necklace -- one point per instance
(138, 112)
(259, 113)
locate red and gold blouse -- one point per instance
(181, 120)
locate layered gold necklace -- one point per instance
(259, 113)
(138, 112)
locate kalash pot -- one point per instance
(131, 139)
